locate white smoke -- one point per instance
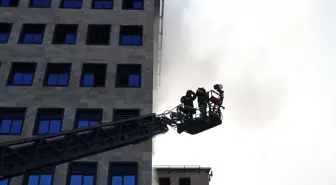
(276, 61)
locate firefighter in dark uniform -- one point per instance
(218, 88)
(188, 103)
(203, 99)
(217, 102)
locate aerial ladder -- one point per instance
(30, 154)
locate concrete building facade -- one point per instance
(182, 175)
(73, 63)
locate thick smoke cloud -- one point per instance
(195, 55)
(276, 60)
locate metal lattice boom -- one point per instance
(29, 154)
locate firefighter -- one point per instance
(203, 99)
(188, 103)
(218, 88)
(217, 102)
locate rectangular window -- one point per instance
(102, 4)
(82, 173)
(120, 114)
(4, 182)
(40, 177)
(184, 181)
(65, 34)
(5, 29)
(123, 173)
(130, 35)
(98, 35)
(164, 181)
(71, 4)
(32, 34)
(21, 74)
(128, 75)
(57, 74)
(9, 3)
(93, 75)
(48, 121)
(133, 4)
(88, 117)
(39, 3)
(12, 120)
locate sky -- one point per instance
(276, 60)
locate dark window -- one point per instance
(82, 173)
(71, 4)
(65, 34)
(88, 117)
(123, 173)
(22, 74)
(5, 29)
(57, 74)
(4, 182)
(39, 3)
(164, 181)
(120, 114)
(184, 181)
(130, 35)
(9, 3)
(48, 120)
(93, 75)
(12, 120)
(133, 4)
(32, 34)
(40, 177)
(128, 75)
(102, 4)
(98, 35)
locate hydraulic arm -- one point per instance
(34, 153)
(26, 155)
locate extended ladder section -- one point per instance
(29, 154)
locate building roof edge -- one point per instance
(178, 168)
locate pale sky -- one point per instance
(277, 62)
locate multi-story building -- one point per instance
(182, 175)
(69, 64)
